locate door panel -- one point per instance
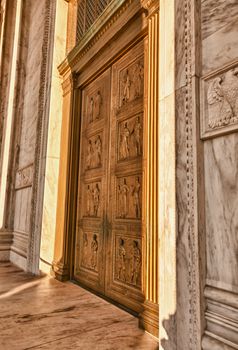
(123, 281)
(108, 255)
(92, 192)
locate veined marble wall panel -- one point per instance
(22, 210)
(219, 113)
(32, 96)
(32, 81)
(221, 193)
(53, 142)
(219, 33)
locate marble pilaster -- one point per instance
(53, 142)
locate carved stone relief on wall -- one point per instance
(130, 138)
(220, 102)
(131, 83)
(128, 261)
(90, 251)
(92, 199)
(129, 197)
(24, 177)
(93, 152)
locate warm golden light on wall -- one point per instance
(10, 112)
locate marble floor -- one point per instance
(42, 313)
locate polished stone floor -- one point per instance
(42, 313)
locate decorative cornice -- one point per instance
(102, 25)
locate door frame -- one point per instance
(134, 299)
(133, 24)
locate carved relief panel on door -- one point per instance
(92, 199)
(131, 83)
(127, 262)
(94, 150)
(90, 249)
(95, 106)
(129, 197)
(130, 137)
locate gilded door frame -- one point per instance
(74, 77)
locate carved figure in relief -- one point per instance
(96, 199)
(137, 136)
(91, 109)
(90, 154)
(138, 79)
(124, 145)
(85, 246)
(136, 197)
(121, 260)
(89, 201)
(136, 263)
(97, 105)
(94, 252)
(26, 176)
(222, 98)
(124, 191)
(98, 151)
(126, 88)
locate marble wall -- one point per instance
(207, 192)
(51, 176)
(30, 61)
(7, 26)
(27, 160)
(219, 120)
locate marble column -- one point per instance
(150, 315)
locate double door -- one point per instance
(108, 248)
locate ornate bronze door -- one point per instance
(108, 255)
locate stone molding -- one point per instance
(221, 315)
(190, 113)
